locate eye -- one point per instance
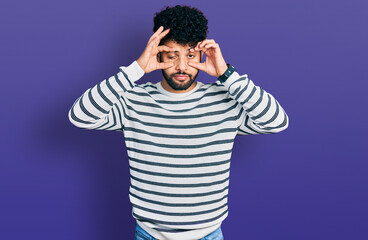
(191, 56)
(171, 57)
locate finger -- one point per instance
(165, 65)
(154, 37)
(163, 34)
(158, 38)
(195, 49)
(213, 45)
(197, 65)
(198, 44)
(151, 41)
(208, 47)
(164, 48)
(204, 42)
(158, 31)
(204, 46)
(198, 49)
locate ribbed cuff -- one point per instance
(134, 71)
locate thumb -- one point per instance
(197, 65)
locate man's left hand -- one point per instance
(215, 64)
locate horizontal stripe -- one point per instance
(205, 154)
(113, 122)
(172, 230)
(210, 134)
(177, 204)
(126, 78)
(177, 101)
(265, 110)
(272, 118)
(178, 185)
(94, 103)
(103, 96)
(249, 127)
(283, 124)
(112, 89)
(257, 103)
(75, 118)
(250, 96)
(181, 116)
(239, 87)
(217, 142)
(154, 105)
(179, 223)
(85, 111)
(178, 214)
(171, 165)
(179, 175)
(241, 92)
(120, 83)
(182, 126)
(179, 195)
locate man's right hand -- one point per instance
(148, 61)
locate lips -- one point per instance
(180, 76)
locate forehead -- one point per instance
(180, 47)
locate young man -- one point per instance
(179, 133)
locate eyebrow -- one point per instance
(178, 51)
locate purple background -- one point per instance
(307, 182)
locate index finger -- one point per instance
(156, 39)
(163, 34)
(158, 31)
(154, 36)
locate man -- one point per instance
(179, 133)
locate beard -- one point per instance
(175, 85)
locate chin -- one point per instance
(177, 84)
(181, 85)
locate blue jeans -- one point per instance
(141, 234)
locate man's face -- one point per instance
(181, 76)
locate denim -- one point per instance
(141, 234)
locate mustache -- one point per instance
(183, 73)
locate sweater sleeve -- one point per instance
(260, 112)
(100, 107)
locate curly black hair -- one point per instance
(188, 25)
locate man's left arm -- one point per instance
(261, 113)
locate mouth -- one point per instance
(180, 77)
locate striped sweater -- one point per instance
(179, 144)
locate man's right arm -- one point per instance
(100, 106)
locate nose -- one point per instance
(181, 65)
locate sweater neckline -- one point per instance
(177, 95)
